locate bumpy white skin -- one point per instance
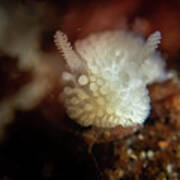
(109, 71)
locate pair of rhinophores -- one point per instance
(105, 85)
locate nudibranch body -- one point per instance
(108, 74)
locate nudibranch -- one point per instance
(105, 84)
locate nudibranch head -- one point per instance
(108, 75)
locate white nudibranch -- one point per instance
(108, 75)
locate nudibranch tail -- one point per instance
(151, 44)
(71, 57)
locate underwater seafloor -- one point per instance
(37, 139)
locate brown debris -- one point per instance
(100, 135)
(163, 144)
(166, 101)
